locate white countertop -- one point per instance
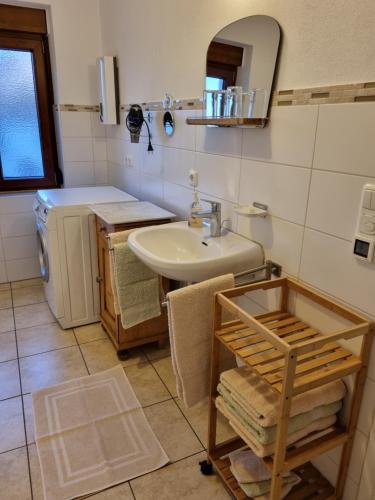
(120, 213)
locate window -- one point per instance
(222, 63)
(28, 155)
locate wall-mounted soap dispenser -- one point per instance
(109, 106)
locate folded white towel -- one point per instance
(191, 315)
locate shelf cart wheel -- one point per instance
(206, 467)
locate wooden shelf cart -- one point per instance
(293, 358)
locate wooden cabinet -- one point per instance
(155, 329)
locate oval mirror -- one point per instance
(168, 123)
(243, 54)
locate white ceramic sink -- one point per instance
(182, 253)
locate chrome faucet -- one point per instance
(214, 216)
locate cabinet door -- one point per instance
(107, 310)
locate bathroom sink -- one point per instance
(182, 253)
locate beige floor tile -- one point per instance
(164, 368)
(33, 315)
(89, 333)
(173, 431)
(28, 295)
(4, 286)
(26, 283)
(9, 380)
(5, 299)
(180, 480)
(29, 418)
(153, 351)
(14, 475)
(8, 349)
(36, 478)
(51, 368)
(43, 338)
(146, 384)
(12, 431)
(198, 418)
(6, 320)
(101, 355)
(120, 492)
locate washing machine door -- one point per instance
(42, 251)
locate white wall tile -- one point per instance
(22, 269)
(334, 202)
(152, 161)
(284, 189)
(115, 153)
(345, 138)
(20, 224)
(329, 264)
(177, 199)
(101, 172)
(20, 247)
(100, 149)
(358, 456)
(151, 189)
(16, 203)
(218, 175)
(183, 136)
(282, 241)
(97, 128)
(79, 173)
(176, 164)
(77, 149)
(288, 138)
(75, 123)
(219, 141)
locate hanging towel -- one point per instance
(268, 449)
(266, 435)
(190, 316)
(137, 287)
(115, 239)
(261, 401)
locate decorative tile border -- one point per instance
(357, 92)
(334, 94)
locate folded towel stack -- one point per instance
(251, 406)
(253, 476)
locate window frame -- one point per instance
(38, 45)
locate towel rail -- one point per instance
(247, 277)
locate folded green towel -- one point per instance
(266, 435)
(263, 487)
(137, 287)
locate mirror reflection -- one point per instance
(241, 62)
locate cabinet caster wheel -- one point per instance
(206, 468)
(123, 355)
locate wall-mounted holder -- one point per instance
(254, 210)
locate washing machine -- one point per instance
(66, 236)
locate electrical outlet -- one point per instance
(193, 178)
(129, 161)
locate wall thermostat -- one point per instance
(364, 241)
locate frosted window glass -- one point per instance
(20, 147)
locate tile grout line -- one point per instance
(79, 347)
(308, 194)
(21, 396)
(182, 413)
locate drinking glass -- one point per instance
(233, 101)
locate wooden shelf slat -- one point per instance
(228, 122)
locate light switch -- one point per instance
(367, 199)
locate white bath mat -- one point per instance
(91, 433)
